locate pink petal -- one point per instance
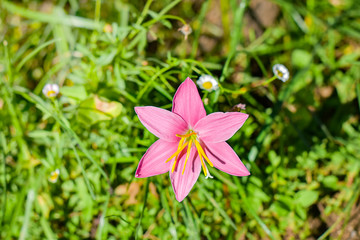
(219, 127)
(162, 123)
(187, 103)
(183, 183)
(225, 159)
(153, 161)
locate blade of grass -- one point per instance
(225, 180)
(143, 209)
(144, 12)
(140, 18)
(189, 221)
(149, 83)
(99, 232)
(32, 188)
(40, 104)
(249, 210)
(87, 182)
(164, 17)
(165, 204)
(23, 48)
(48, 74)
(202, 14)
(163, 91)
(97, 11)
(34, 52)
(358, 93)
(7, 93)
(47, 229)
(153, 21)
(28, 208)
(235, 38)
(261, 65)
(345, 212)
(217, 206)
(200, 64)
(169, 7)
(73, 21)
(4, 197)
(225, 20)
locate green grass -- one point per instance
(300, 143)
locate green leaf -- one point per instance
(306, 197)
(279, 209)
(330, 182)
(274, 159)
(300, 212)
(286, 202)
(93, 110)
(301, 58)
(76, 92)
(106, 59)
(345, 87)
(348, 59)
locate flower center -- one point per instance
(207, 85)
(190, 139)
(279, 73)
(50, 93)
(54, 176)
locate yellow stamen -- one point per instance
(180, 144)
(177, 152)
(203, 164)
(177, 156)
(173, 167)
(186, 135)
(201, 151)
(188, 140)
(187, 154)
(201, 159)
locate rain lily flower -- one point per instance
(281, 72)
(186, 30)
(189, 140)
(208, 83)
(54, 175)
(50, 90)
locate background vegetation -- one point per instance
(301, 142)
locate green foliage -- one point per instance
(300, 143)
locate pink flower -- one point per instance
(189, 140)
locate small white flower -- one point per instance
(186, 30)
(54, 175)
(50, 90)
(281, 72)
(208, 83)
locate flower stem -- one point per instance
(268, 81)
